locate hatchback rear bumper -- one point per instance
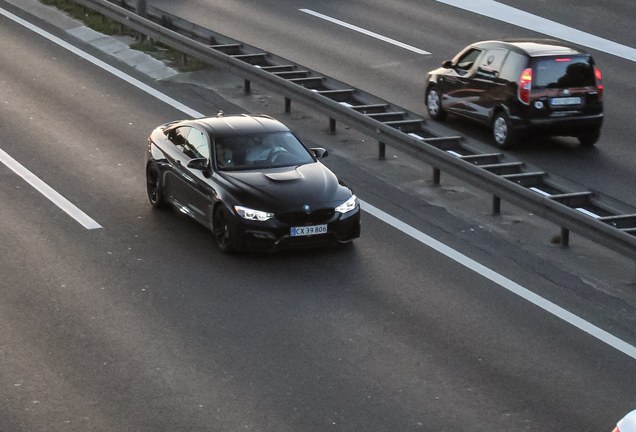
(561, 126)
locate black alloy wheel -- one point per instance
(221, 230)
(153, 186)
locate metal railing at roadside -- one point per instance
(596, 217)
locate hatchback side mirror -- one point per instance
(319, 152)
(448, 64)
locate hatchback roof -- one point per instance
(534, 47)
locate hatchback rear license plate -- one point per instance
(308, 230)
(565, 101)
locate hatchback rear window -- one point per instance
(564, 72)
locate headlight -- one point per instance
(348, 206)
(250, 214)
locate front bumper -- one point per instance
(275, 235)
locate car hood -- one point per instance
(288, 188)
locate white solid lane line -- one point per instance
(34, 181)
(366, 32)
(502, 12)
(57, 199)
(502, 281)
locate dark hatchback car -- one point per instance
(251, 181)
(519, 88)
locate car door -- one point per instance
(457, 86)
(174, 176)
(197, 178)
(490, 89)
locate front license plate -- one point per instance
(565, 101)
(308, 230)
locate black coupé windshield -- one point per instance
(260, 151)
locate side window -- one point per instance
(513, 67)
(179, 137)
(197, 145)
(466, 61)
(490, 64)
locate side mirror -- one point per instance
(201, 164)
(448, 64)
(320, 152)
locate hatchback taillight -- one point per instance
(525, 84)
(616, 429)
(599, 83)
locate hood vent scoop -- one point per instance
(284, 176)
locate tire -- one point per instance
(154, 187)
(221, 230)
(434, 105)
(502, 131)
(589, 138)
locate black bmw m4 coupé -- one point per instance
(251, 181)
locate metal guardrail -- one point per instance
(589, 214)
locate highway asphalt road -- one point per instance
(398, 75)
(142, 325)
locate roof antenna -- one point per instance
(220, 114)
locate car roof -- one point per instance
(225, 126)
(533, 47)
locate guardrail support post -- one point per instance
(437, 175)
(142, 8)
(332, 126)
(381, 150)
(496, 205)
(122, 27)
(247, 86)
(184, 59)
(565, 237)
(287, 105)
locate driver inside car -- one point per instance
(224, 157)
(261, 148)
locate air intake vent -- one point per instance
(299, 218)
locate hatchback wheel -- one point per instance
(590, 138)
(502, 131)
(153, 186)
(221, 230)
(434, 105)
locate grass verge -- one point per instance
(110, 27)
